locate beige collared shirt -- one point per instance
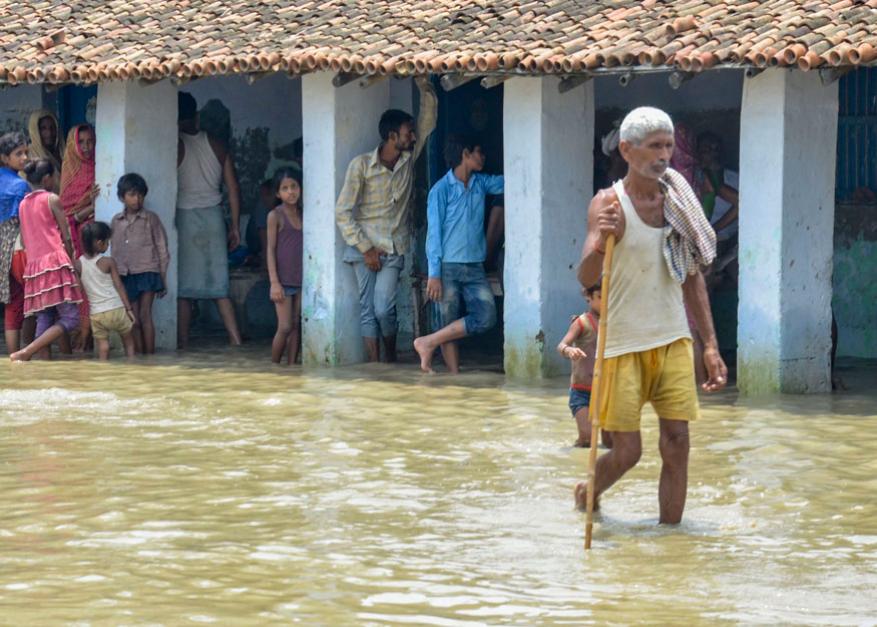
(373, 209)
(140, 244)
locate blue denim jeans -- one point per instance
(467, 280)
(377, 292)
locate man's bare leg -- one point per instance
(674, 471)
(451, 355)
(226, 312)
(372, 349)
(426, 345)
(627, 448)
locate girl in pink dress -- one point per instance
(51, 289)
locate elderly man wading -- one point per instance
(662, 239)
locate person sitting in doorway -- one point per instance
(204, 163)
(455, 250)
(46, 140)
(720, 199)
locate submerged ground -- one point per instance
(216, 488)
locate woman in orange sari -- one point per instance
(78, 193)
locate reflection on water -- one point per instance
(216, 489)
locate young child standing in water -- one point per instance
(579, 345)
(140, 250)
(51, 290)
(110, 309)
(285, 248)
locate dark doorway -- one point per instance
(468, 109)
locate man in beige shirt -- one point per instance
(373, 215)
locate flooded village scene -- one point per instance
(438, 313)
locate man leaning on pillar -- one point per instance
(373, 215)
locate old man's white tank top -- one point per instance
(645, 303)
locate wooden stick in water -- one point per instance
(596, 387)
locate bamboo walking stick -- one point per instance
(596, 387)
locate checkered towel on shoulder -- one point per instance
(689, 239)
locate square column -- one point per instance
(136, 130)
(548, 139)
(339, 123)
(788, 142)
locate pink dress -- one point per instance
(49, 277)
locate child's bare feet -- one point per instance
(582, 442)
(426, 352)
(21, 355)
(580, 492)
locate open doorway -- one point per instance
(477, 112)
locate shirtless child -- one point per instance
(579, 345)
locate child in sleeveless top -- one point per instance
(110, 309)
(285, 251)
(51, 289)
(579, 345)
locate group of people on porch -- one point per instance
(373, 214)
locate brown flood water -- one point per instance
(217, 489)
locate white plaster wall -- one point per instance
(137, 127)
(548, 167)
(786, 226)
(761, 230)
(402, 97)
(808, 221)
(16, 105)
(339, 123)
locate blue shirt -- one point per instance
(12, 189)
(455, 220)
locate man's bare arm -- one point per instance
(604, 217)
(698, 303)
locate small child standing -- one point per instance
(579, 345)
(110, 309)
(140, 250)
(51, 290)
(285, 251)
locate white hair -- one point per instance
(642, 122)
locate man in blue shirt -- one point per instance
(455, 251)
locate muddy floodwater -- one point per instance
(218, 489)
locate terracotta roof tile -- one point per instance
(94, 40)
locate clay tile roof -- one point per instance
(89, 41)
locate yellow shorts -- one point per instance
(106, 322)
(663, 376)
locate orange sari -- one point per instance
(77, 178)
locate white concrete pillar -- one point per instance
(402, 97)
(338, 124)
(548, 140)
(136, 130)
(787, 178)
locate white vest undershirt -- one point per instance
(645, 303)
(200, 174)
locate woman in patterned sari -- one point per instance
(78, 193)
